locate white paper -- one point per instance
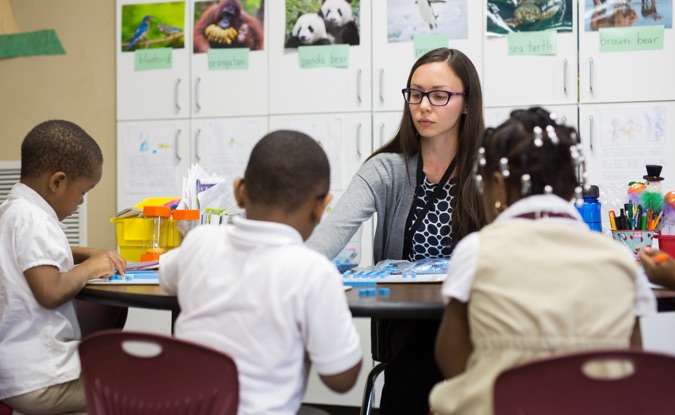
(328, 133)
(629, 139)
(227, 146)
(150, 159)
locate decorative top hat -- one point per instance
(653, 173)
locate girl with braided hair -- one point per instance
(535, 281)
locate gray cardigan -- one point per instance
(380, 186)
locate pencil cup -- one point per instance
(634, 240)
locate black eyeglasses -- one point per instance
(436, 97)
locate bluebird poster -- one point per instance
(153, 25)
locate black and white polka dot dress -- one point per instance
(432, 237)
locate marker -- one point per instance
(656, 221)
(612, 219)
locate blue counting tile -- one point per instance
(383, 291)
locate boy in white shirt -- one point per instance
(253, 289)
(39, 330)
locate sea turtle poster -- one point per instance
(407, 19)
(507, 16)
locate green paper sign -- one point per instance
(425, 43)
(228, 59)
(544, 42)
(41, 42)
(149, 59)
(627, 39)
(336, 56)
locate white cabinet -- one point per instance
(296, 90)
(150, 94)
(620, 139)
(346, 138)
(152, 159)
(223, 146)
(644, 75)
(396, 23)
(188, 88)
(523, 80)
(229, 92)
(385, 126)
(565, 114)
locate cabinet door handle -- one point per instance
(197, 134)
(358, 140)
(197, 101)
(565, 76)
(177, 95)
(590, 74)
(381, 134)
(178, 145)
(358, 85)
(381, 84)
(590, 135)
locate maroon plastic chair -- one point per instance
(133, 373)
(559, 385)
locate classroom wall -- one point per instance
(78, 86)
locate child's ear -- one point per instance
(56, 181)
(239, 192)
(320, 207)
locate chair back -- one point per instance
(613, 382)
(133, 373)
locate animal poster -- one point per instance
(507, 16)
(327, 22)
(153, 25)
(229, 24)
(601, 14)
(630, 138)
(406, 19)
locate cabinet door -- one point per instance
(644, 75)
(295, 90)
(397, 22)
(152, 93)
(385, 125)
(621, 139)
(223, 92)
(565, 114)
(517, 80)
(152, 159)
(347, 139)
(223, 146)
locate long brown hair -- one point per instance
(467, 215)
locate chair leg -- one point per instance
(370, 385)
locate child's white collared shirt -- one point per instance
(254, 291)
(38, 346)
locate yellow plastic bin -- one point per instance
(133, 235)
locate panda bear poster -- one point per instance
(322, 22)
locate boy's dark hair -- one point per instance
(286, 168)
(548, 160)
(59, 145)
